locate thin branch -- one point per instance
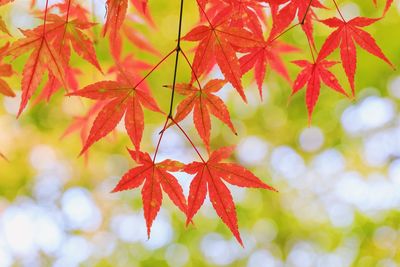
(178, 49)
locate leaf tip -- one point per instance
(115, 190)
(239, 239)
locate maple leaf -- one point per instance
(203, 101)
(116, 15)
(61, 33)
(209, 177)
(261, 57)
(5, 71)
(156, 178)
(44, 57)
(305, 14)
(67, 30)
(346, 35)
(72, 9)
(125, 96)
(217, 44)
(116, 12)
(312, 74)
(79, 41)
(246, 14)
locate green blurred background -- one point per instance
(339, 179)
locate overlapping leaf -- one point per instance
(203, 101)
(44, 57)
(156, 178)
(217, 44)
(126, 96)
(260, 57)
(305, 14)
(116, 12)
(51, 44)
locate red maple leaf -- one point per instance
(268, 54)
(245, 14)
(346, 35)
(51, 44)
(312, 74)
(68, 33)
(44, 57)
(210, 176)
(125, 96)
(218, 41)
(203, 101)
(116, 12)
(116, 15)
(304, 11)
(156, 178)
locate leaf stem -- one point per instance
(159, 139)
(45, 17)
(188, 138)
(282, 33)
(154, 68)
(204, 12)
(191, 67)
(66, 24)
(295, 25)
(338, 10)
(305, 14)
(311, 49)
